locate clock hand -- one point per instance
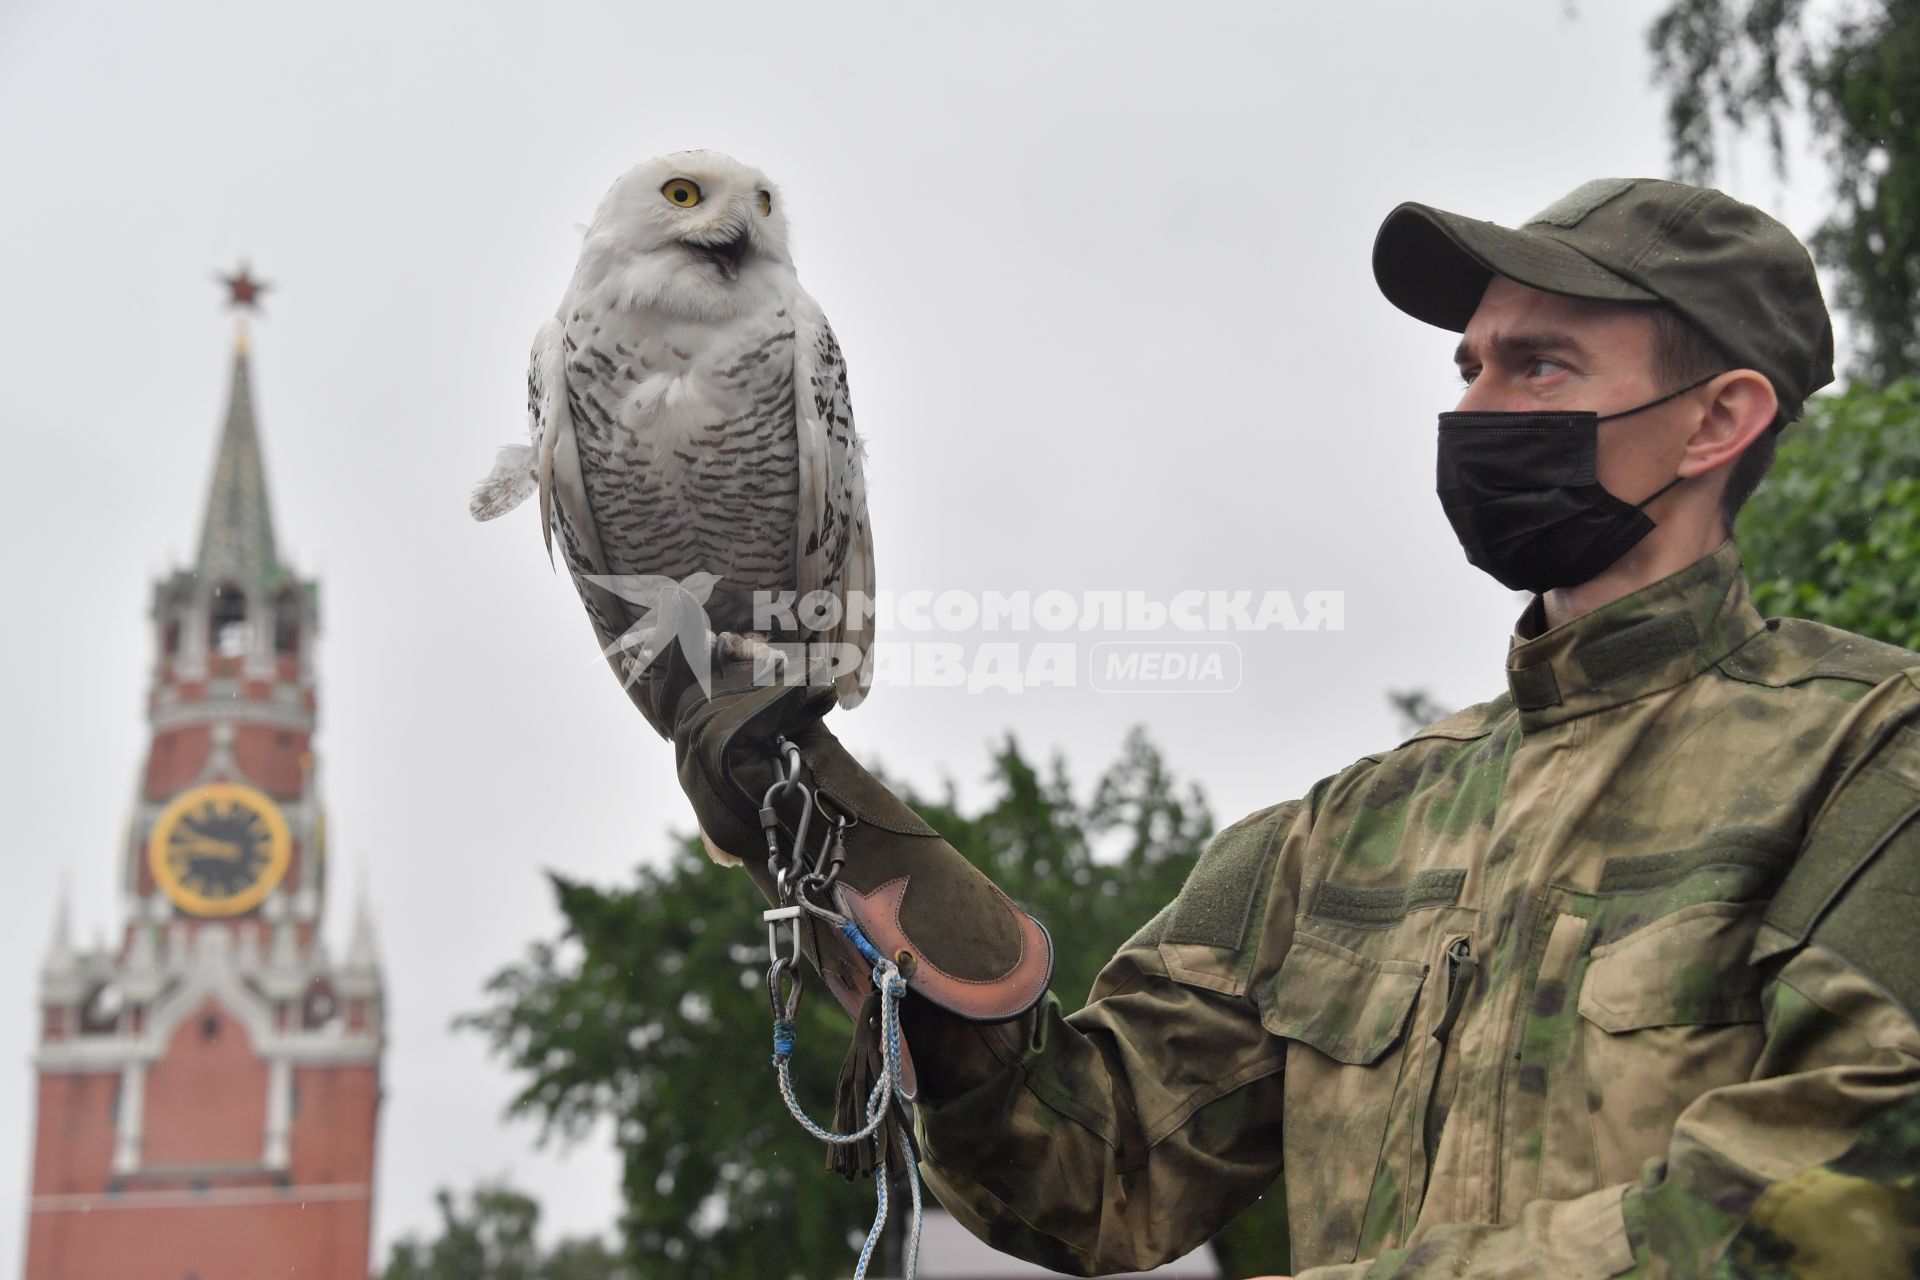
(208, 848)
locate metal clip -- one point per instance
(815, 886)
(770, 818)
(785, 1004)
(773, 917)
(834, 859)
(782, 861)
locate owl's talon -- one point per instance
(767, 658)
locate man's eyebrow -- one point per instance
(1510, 345)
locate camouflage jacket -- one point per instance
(1615, 974)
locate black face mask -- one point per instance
(1523, 493)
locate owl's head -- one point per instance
(695, 233)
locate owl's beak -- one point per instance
(727, 256)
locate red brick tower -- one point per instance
(208, 1087)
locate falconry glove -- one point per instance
(957, 939)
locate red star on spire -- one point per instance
(243, 291)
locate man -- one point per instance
(1614, 974)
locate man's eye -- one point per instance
(1540, 367)
(1467, 376)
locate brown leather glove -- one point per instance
(957, 939)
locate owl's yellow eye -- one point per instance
(765, 201)
(683, 192)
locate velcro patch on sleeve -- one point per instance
(1856, 887)
(1216, 902)
(1871, 808)
(1870, 926)
(1154, 931)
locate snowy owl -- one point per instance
(690, 424)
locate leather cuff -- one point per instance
(958, 940)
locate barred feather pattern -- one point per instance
(686, 438)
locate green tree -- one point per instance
(649, 1010)
(1416, 709)
(1834, 533)
(494, 1240)
(1857, 83)
(587, 1259)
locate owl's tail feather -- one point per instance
(510, 483)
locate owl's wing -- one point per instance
(833, 544)
(547, 413)
(520, 469)
(564, 503)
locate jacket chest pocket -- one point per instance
(1345, 1018)
(1668, 1012)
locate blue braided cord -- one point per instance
(919, 1210)
(887, 1087)
(879, 1214)
(874, 1116)
(890, 1027)
(890, 1067)
(859, 940)
(896, 990)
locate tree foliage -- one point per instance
(1757, 62)
(649, 1012)
(1834, 533)
(1416, 709)
(493, 1239)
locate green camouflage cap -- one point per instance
(1736, 274)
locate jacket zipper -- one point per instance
(1460, 968)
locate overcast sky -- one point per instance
(1101, 275)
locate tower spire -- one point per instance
(236, 536)
(60, 957)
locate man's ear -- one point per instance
(1740, 407)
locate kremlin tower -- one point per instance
(208, 1086)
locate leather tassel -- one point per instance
(858, 1073)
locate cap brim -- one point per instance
(1434, 265)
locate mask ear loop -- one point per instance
(1643, 504)
(1654, 404)
(1647, 501)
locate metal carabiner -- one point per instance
(834, 859)
(818, 882)
(770, 816)
(785, 779)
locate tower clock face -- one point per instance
(219, 849)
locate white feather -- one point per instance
(507, 485)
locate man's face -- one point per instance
(1525, 349)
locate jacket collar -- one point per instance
(1660, 636)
